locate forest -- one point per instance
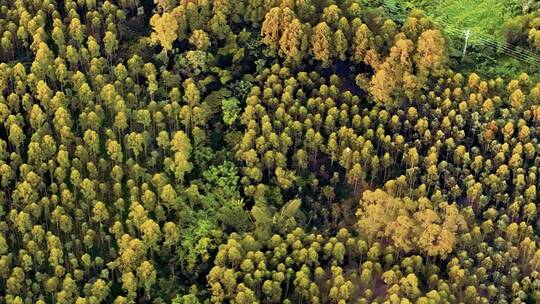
(267, 151)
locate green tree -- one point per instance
(230, 110)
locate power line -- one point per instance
(401, 12)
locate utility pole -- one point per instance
(467, 35)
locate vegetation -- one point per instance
(259, 151)
(484, 17)
(506, 25)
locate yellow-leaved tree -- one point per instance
(409, 225)
(165, 28)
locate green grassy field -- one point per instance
(485, 17)
(482, 17)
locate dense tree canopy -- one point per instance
(251, 151)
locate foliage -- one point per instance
(230, 110)
(483, 17)
(263, 151)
